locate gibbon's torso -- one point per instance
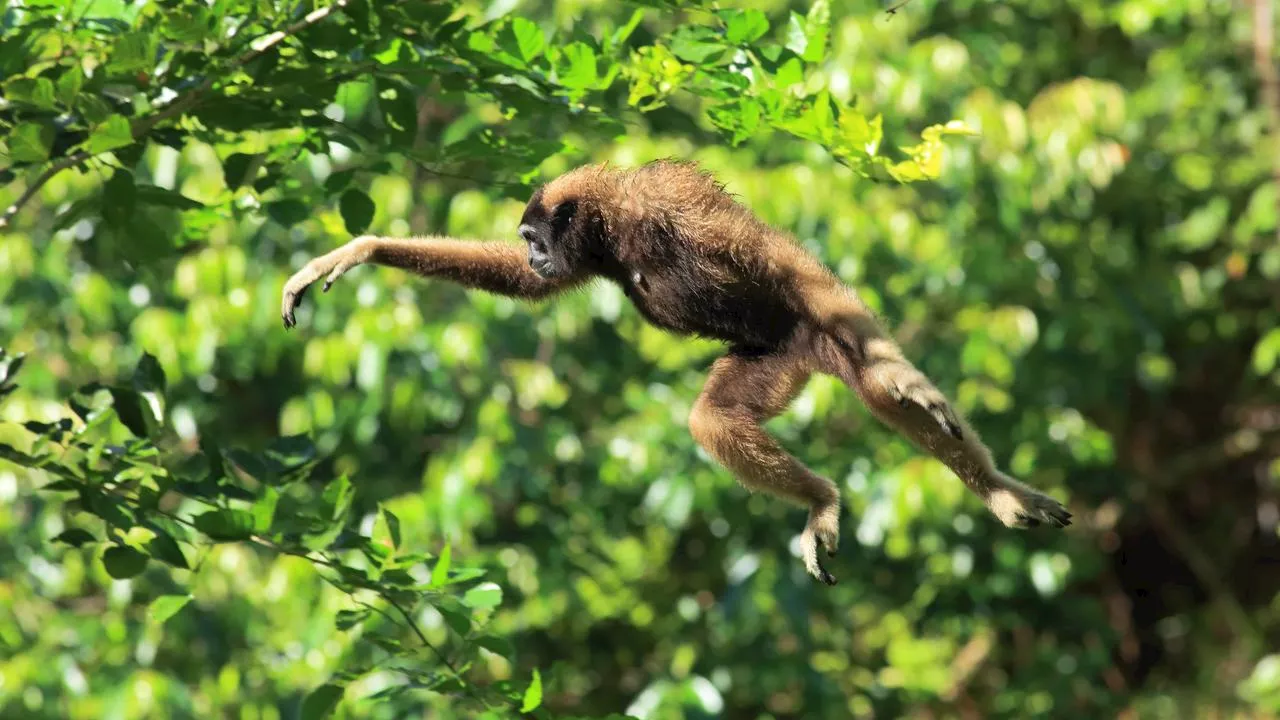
(693, 261)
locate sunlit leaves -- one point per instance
(440, 573)
(386, 529)
(529, 40)
(264, 510)
(30, 142)
(483, 596)
(807, 36)
(925, 158)
(166, 606)
(1266, 354)
(37, 92)
(655, 74)
(745, 26)
(111, 134)
(533, 694)
(697, 44)
(133, 52)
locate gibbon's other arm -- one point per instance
(496, 267)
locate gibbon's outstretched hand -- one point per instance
(696, 262)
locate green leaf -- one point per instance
(166, 606)
(338, 495)
(164, 548)
(128, 406)
(746, 26)
(529, 38)
(533, 694)
(495, 644)
(696, 44)
(69, 85)
(386, 528)
(264, 510)
(624, 31)
(292, 451)
(483, 596)
(75, 537)
(113, 133)
(338, 181)
(790, 73)
(30, 142)
(118, 197)
(440, 573)
(456, 618)
(190, 26)
(16, 456)
(240, 168)
(288, 212)
(133, 52)
(357, 211)
(321, 702)
(1266, 354)
(399, 111)
(581, 71)
(84, 207)
(13, 367)
(33, 91)
(226, 524)
(148, 375)
(817, 26)
(155, 195)
(348, 619)
(123, 562)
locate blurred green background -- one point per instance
(1094, 278)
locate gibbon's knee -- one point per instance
(707, 425)
(735, 439)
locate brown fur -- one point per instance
(694, 261)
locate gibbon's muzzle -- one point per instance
(539, 258)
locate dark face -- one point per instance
(554, 237)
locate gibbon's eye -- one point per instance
(563, 215)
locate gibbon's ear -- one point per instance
(563, 215)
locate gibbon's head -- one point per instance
(562, 225)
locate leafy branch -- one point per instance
(185, 102)
(120, 460)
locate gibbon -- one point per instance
(694, 261)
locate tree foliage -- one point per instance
(433, 501)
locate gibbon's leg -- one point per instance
(742, 392)
(855, 348)
(493, 266)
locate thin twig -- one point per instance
(894, 10)
(182, 104)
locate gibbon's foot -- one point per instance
(822, 530)
(330, 266)
(1018, 506)
(908, 385)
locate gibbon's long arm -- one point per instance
(496, 267)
